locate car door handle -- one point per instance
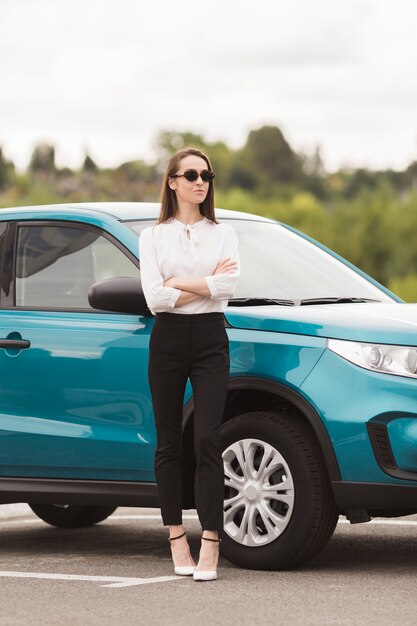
(20, 344)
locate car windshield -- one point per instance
(279, 264)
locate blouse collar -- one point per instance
(187, 235)
(195, 223)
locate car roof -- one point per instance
(123, 211)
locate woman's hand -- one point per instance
(171, 282)
(197, 284)
(225, 266)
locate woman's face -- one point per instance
(190, 192)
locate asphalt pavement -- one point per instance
(119, 573)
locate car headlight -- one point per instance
(398, 360)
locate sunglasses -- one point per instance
(192, 175)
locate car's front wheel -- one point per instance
(278, 508)
(71, 516)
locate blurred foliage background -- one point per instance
(369, 217)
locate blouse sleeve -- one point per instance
(223, 286)
(158, 297)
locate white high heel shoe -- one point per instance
(182, 570)
(206, 574)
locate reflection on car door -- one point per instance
(75, 402)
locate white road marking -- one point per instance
(112, 581)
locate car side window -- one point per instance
(56, 265)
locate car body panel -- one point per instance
(76, 403)
(402, 432)
(377, 322)
(355, 397)
(287, 359)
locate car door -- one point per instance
(74, 396)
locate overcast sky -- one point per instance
(107, 75)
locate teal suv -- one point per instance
(321, 413)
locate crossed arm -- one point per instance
(193, 287)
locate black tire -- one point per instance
(71, 515)
(314, 515)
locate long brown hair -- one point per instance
(169, 205)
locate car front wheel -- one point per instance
(71, 516)
(278, 508)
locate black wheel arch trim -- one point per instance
(374, 496)
(81, 492)
(271, 386)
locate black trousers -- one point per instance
(194, 346)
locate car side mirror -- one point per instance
(120, 295)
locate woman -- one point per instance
(189, 269)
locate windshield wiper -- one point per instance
(260, 301)
(340, 300)
(305, 302)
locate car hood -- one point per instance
(393, 323)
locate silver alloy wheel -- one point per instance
(259, 494)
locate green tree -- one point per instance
(6, 171)
(411, 175)
(271, 156)
(314, 172)
(43, 159)
(405, 287)
(89, 165)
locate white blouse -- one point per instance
(177, 249)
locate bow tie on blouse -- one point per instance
(188, 237)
